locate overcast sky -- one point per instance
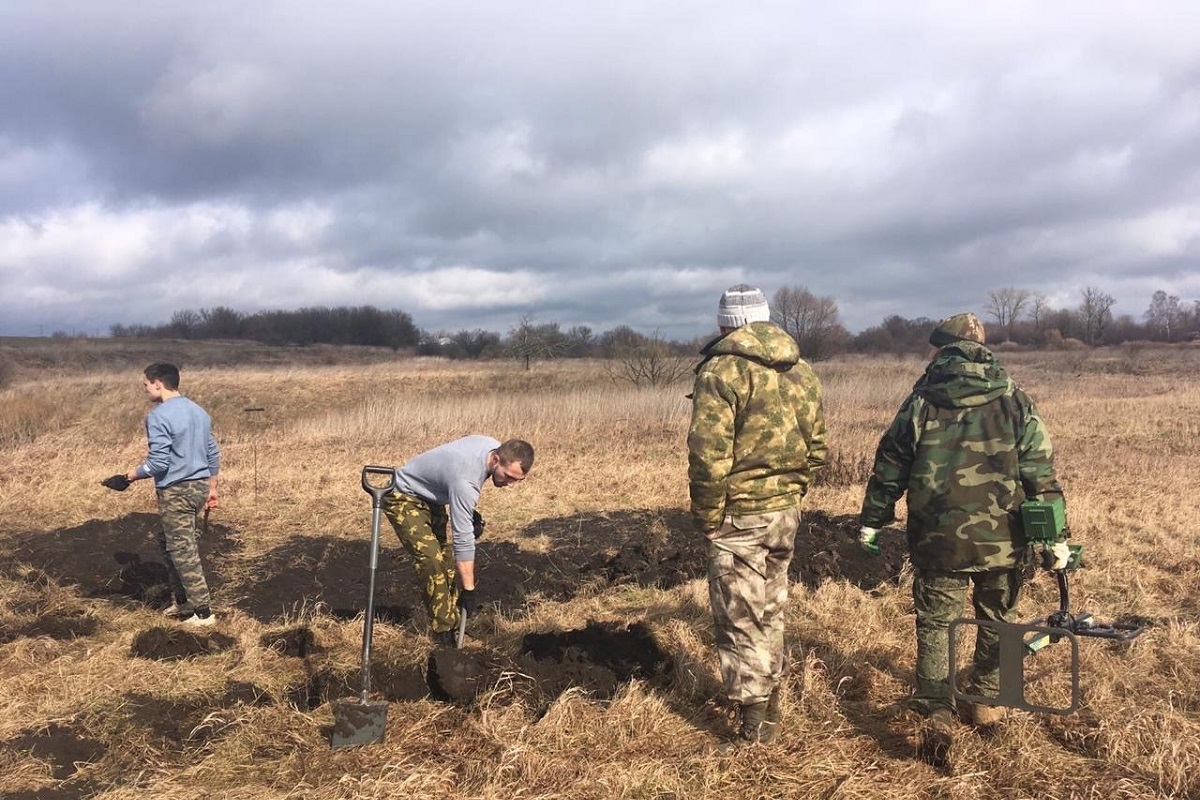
(591, 163)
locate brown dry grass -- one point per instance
(1126, 426)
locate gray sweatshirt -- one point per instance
(181, 444)
(451, 475)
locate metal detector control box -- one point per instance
(1043, 520)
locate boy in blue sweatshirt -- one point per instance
(183, 459)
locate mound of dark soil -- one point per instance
(389, 681)
(598, 659)
(67, 625)
(629, 652)
(171, 644)
(119, 559)
(64, 748)
(294, 642)
(73, 790)
(175, 725)
(827, 548)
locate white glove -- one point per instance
(1062, 554)
(866, 537)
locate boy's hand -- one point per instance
(118, 483)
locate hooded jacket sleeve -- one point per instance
(1035, 454)
(710, 448)
(893, 464)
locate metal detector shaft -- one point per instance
(377, 493)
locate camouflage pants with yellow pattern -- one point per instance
(421, 528)
(748, 589)
(939, 598)
(178, 506)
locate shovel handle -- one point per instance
(377, 491)
(461, 634)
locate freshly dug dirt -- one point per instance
(171, 644)
(64, 748)
(598, 659)
(67, 625)
(118, 562)
(118, 559)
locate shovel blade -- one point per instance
(357, 722)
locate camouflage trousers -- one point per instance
(178, 506)
(939, 598)
(748, 589)
(421, 528)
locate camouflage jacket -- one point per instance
(968, 447)
(757, 435)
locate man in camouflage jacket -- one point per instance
(967, 448)
(757, 438)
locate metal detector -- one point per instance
(1017, 641)
(363, 721)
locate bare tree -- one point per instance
(1166, 316)
(812, 321)
(1039, 309)
(1005, 306)
(527, 341)
(1096, 313)
(649, 362)
(184, 324)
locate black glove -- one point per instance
(117, 483)
(477, 521)
(467, 601)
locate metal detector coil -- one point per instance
(1020, 640)
(1013, 643)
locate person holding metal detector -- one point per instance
(756, 440)
(967, 448)
(443, 485)
(183, 459)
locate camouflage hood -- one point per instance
(966, 448)
(764, 342)
(757, 434)
(963, 375)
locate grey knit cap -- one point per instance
(742, 304)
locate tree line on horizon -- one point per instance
(1011, 315)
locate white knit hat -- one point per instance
(741, 304)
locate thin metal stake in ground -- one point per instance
(363, 721)
(254, 446)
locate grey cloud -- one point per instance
(633, 156)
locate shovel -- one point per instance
(363, 721)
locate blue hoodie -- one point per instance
(182, 447)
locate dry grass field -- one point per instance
(591, 673)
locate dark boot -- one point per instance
(774, 709)
(756, 723)
(936, 738)
(982, 716)
(754, 729)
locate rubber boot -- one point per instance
(936, 738)
(983, 716)
(757, 725)
(774, 703)
(754, 729)
(770, 729)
